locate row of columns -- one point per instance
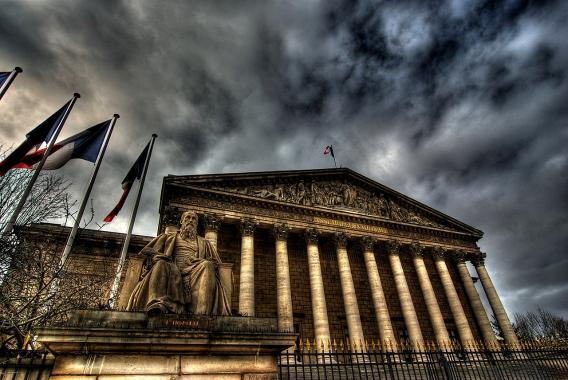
(353, 319)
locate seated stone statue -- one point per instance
(184, 274)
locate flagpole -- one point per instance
(9, 80)
(116, 282)
(73, 234)
(333, 155)
(10, 225)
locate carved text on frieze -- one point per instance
(350, 225)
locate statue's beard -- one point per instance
(188, 232)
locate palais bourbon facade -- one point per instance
(335, 255)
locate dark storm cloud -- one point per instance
(460, 104)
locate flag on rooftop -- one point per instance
(134, 173)
(35, 139)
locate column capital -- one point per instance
(368, 242)
(416, 249)
(478, 259)
(171, 216)
(248, 226)
(280, 231)
(459, 256)
(212, 222)
(312, 235)
(393, 246)
(439, 253)
(340, 239)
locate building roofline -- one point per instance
(327, 171)
(84, 233)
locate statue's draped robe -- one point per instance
(184, 277)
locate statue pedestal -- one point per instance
(127, 345)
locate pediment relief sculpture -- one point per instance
(336, 195)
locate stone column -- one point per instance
(348, 290)
(498, 309)
(212, 224)
(246, 289)
(386, 332)
(319, 307)
(476, 305)
(283, 291)
(434, 312)
(462, 325)
(406, 304)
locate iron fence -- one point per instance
(25, 364)
(452, 362)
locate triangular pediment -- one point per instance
(340, 190)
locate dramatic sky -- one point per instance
(459, 104)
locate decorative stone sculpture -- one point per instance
(337, 195)
(183, 274)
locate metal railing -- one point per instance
(534, 360)
(25, 364)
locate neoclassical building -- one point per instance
(335, 255)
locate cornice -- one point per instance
(333, 173)
(314, 212)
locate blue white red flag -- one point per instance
(329, 150)
(84, 145)
(3, 76)
(134, 173)
(34, 140)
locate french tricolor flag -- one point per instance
(4, 76)
(35, 142)
(133, 174)
(84, 145)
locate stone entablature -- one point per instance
(338, 190)
(233, 209)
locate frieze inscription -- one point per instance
(350, 225)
